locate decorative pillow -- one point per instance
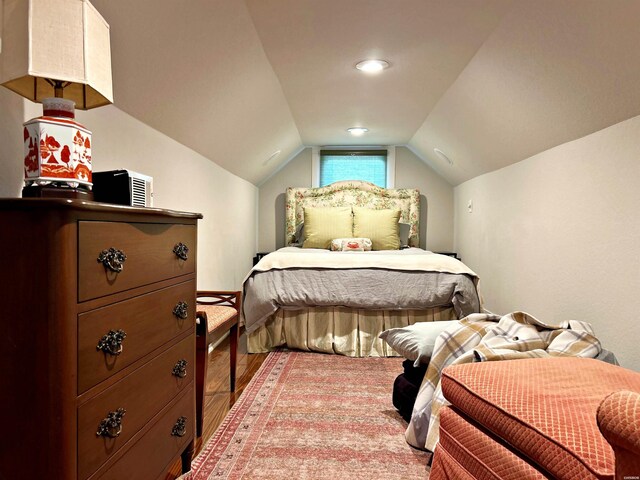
(415, 342)
(381, 226)
(350, 244)
(323, 224)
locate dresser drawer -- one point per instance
(148, 322)
(142, 394)
(149, 250)
(149, 457)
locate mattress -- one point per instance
(409, 279)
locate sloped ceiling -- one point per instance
(551, 72)
(195, 70)
(488, 82)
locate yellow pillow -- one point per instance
(323, 224)
(381, 226)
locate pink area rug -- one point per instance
(314, 416)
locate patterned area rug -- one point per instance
(314, 416)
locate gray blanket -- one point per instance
(369, 288)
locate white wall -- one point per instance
(436, 200)
(558, 235)
(11, 153)
(296, 173)
(183, 180)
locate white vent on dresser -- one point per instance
(141, 192)
(141, 187)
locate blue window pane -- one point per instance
(370, 168)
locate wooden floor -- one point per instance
(219, 399)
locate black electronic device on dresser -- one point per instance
(97, 340)
(123, 187)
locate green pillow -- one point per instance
(381, 226)
(323, 224)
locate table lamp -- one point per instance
(56, 52)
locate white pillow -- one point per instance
(415, 342)
(351, 244)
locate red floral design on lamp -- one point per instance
(57, 148)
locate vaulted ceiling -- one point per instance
(488, 82)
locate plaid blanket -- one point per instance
(485, 337)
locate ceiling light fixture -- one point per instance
(441, 154)
(357, 131)
(372, 66)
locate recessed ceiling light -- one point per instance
(441, 154)
(357, 131)
(372, 66)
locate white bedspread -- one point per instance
(410, 259)
(413, 278)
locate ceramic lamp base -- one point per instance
(57, 149)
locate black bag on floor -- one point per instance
(405, 388)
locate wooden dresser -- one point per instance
(97, 340)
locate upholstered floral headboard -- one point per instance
(352, 192)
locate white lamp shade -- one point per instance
(65, 40)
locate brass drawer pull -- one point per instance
(180, 428)
(111, 343)
(180, 310)
(113, 259)
(181, 251)
(111, 426)
(180, 369)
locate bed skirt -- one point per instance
(338, 330)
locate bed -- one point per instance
(339, 302)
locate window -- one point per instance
(367, 165)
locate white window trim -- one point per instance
(391, 163)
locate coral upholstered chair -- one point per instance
(564, 417)
(619, 421)
(216, 312)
